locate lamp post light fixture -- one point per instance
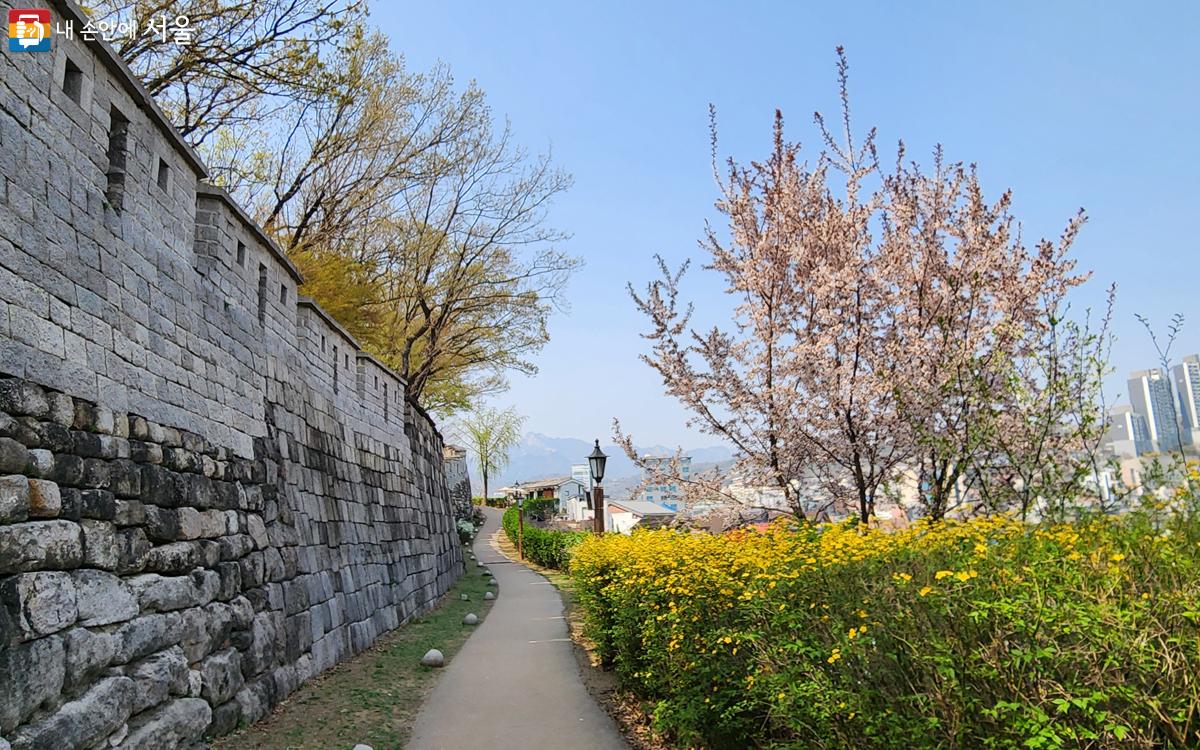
(520, 521)
(596, 460)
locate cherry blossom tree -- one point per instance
(882, 315)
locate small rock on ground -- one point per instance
(488, 595)
(433, 658)
(471, 619)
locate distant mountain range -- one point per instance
(540, 456)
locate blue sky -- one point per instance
(1069, 104)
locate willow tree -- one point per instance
(490, 434)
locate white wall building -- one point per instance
(668, 494)
(1128, 435)
(1186, 379)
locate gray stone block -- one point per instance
(14, 457)
(179, 723)
(14, 498)
(222, 676)
(46, 545)
(30, 674)
(81, 723)
(100, 548)
(158, 677)
(22, 397)
(103, 598)
(88, 653)
(39, 603)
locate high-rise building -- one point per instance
(1128, 435)
(1151, 394)
(1186, 376)
(666, 495)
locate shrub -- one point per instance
(545, 547)
(466, 530)
(983, 634)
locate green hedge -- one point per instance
(550, 549)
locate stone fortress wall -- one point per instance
(208, 493)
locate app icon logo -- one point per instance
(28, 30)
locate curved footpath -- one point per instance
(515, 683)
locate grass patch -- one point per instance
(374, 697)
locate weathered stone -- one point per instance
(125, 478)
(262, 651)
(14, 457)
(157, 677)
(145, 453)
(116, 738)
(145, 635)
(96, 473)
(156, 593)
(14, 498)
(225, 718)
(100, 544)
(488, 595)
(162, 486)
(68, 469)
(31, 673)
(176, 724)
(235, 547)
(222, 675)
(205, 629)
(471, 619)
(44, 499)
(433, 658)
(132, 550)
(60, 408)
(93, 418)
(55, 437)
(177, 557)
(88, 652)
(231, 580)
(213, 524)
(22, 397)
(41, 463)
(103, 598)
(257, 530)
(492, 582)
(39, 603)
(83, 722)
(46, 545)
(100, 505)
(72, 503)
(172, 524)
(130, 513)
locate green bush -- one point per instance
(545, 547)
(985, 634)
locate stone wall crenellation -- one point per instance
(208, 493)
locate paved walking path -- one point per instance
(515, 684)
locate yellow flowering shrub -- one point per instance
(981, 634)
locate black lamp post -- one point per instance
(596, 460)
(520, 521)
